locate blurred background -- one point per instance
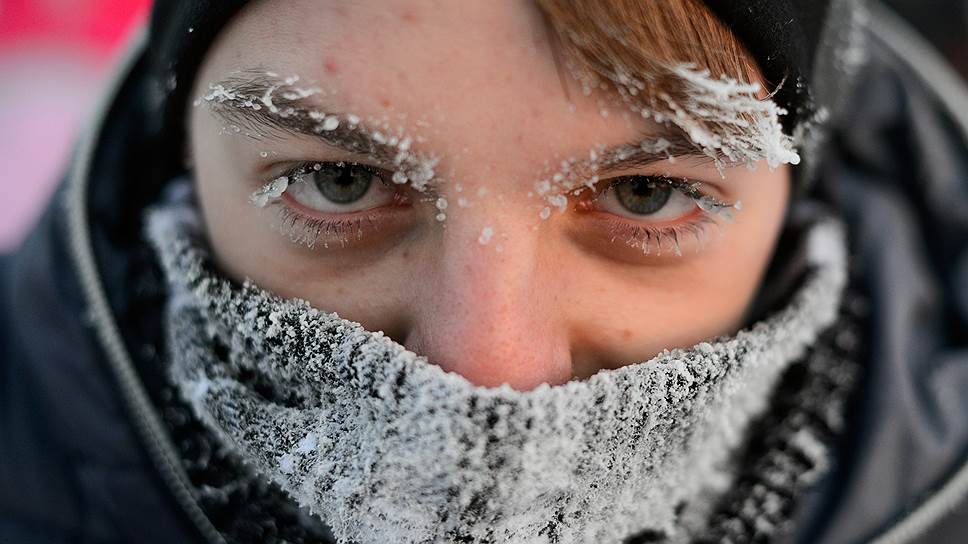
(55, 55)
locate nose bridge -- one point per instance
(493, 259)
(484, 313)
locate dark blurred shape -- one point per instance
(943, 22)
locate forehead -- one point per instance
(400, 37)
(483, 67)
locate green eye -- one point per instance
(642, 195)
(343, 183)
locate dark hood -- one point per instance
(897, 168)
(82, 355)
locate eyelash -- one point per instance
(308, 230)
(666, 239)
(649, 239)
(654, 240)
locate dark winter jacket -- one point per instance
(85, 458)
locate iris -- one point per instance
(641, 195)
(343, 183)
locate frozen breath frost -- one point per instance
(387, 447)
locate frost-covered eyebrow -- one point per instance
(240, 100)
(655, 144)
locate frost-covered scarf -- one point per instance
(386, 447)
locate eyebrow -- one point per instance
(240, 100)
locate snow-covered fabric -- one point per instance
(386, 447)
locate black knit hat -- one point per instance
(783, 37)
(798, 44)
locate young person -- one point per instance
(500, 272)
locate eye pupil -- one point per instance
(642, 195)
(343, 183)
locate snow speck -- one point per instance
(307, 444)
(287, 463)
(485, 237)
(331, 123)
(270, 192)
(560, 202)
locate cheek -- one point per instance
(247, 246)
(737, 268)
(222, 190)
(632, 318)
(640, 311)
(730, 276)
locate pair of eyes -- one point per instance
(346, 187)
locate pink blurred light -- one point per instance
(96, 24)
(53, 57)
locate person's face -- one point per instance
(492, 287)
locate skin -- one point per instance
(545, 300)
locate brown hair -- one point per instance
(609, 38)
(660, 55)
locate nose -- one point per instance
(488, 312)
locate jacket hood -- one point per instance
(895, 168)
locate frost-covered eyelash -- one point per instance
(669, 239)
(301, 228)
(692, 189)
(666, 239)
(308, 231)
(273, 190)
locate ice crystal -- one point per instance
(270, 192)
(486, 234)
